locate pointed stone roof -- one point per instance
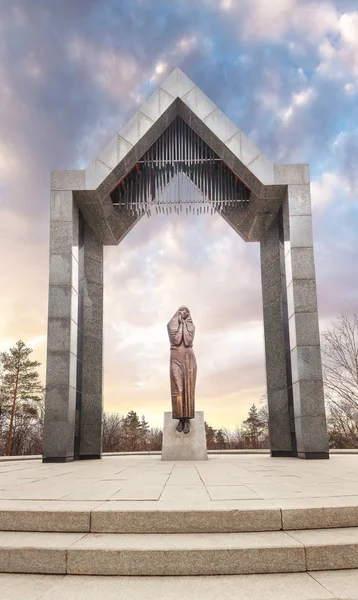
(178, 86)
(179, 96)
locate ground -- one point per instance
(307, 494)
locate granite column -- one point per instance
(307, 383)
(60, 406)
(277, 350)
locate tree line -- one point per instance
(22, 404)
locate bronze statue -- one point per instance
(181, 332)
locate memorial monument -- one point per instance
(181, 332)
(179, 153)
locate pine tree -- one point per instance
(19, 381)
(253, 427)
(132, 430)
(219, 439)
(210, 436)
(144, 431)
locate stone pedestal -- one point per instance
(184, 446)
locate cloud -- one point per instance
(299, 99)
(327, 189)
(115, 73)
(339, 59)
(72, 73)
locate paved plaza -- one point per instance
(282, 482)
(90, 511)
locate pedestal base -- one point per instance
(184, 446)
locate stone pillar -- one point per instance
(91, 285)
(60, 407)
(307, 384)
(277, 350)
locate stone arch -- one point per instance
(85, 217)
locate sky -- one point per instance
(72, 72)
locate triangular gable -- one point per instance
(178, 96)
(178, 85)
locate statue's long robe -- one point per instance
(182, 367)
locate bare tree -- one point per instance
(340, 372)
(113, 432)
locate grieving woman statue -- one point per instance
(181, 332)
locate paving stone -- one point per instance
(21, 515)
(319, 513)
(186, 554)
(295, 586)
(328, 549)
(143, 517)
(343, 584)
(24, 552)
(27, 587)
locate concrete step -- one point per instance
(317, 585)
(172, 517)
(179, 554)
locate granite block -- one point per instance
(318, 513)
(292, 174)
(61, 368)
(279, 421)
(109, 155)
(306, 363)
(299, 200)
(177, 84)
(219, 124)
(93, 247)
(24, 552)
(302, 263)
(61, 206)
(93, 270)
(300, 228)
(92, 375)
(179, 446)
(96, 172)
(342, 584)
(61, 237)
(135, 128)
(61, 269)
(262, 167)
(59, 305)
(301, 296)
(157, 104)
(308, 398)
(93, 317)
(91, 425)
(62, 335)
(188, 554)
(93, 294)
(143, 517)
(248, 150)
(68, 180)
(274, 347)
(50, 516)
(58, 400)
(92, 349)
(328, 549)
(311, 434)
(57, 435)
(198, 102)
(304, 329)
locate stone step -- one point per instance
(316, 585)
(171, 517)
(178, 554)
